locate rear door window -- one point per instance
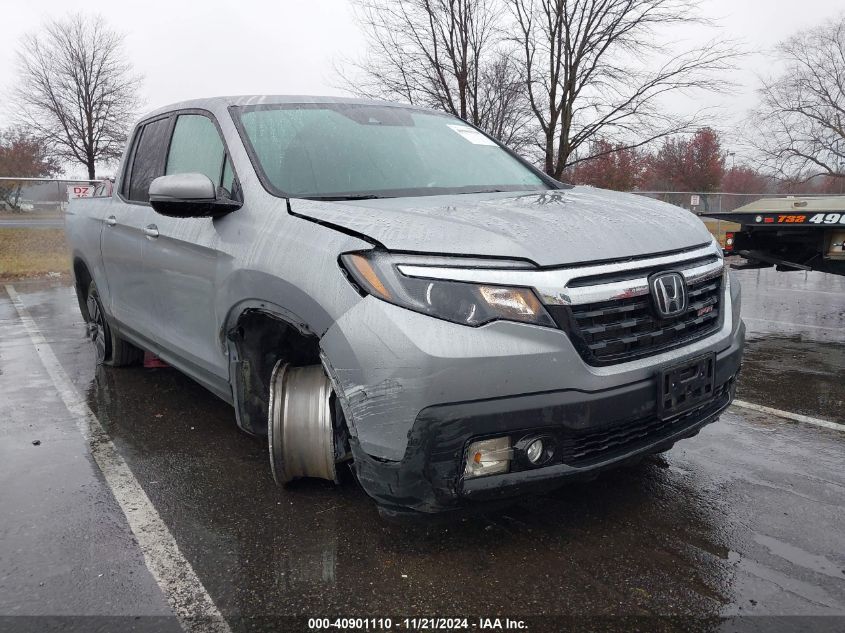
(148, 160)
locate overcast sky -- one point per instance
(194, 49)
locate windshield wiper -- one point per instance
(363, 196)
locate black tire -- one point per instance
(109, 347)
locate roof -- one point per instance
(210, 103)
(794, 203)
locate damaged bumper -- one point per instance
(416, 391)
(597, 429)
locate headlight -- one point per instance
(376, 273)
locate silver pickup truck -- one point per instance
(387, 287)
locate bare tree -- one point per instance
(503, 107)
(799, 127)
(76, 90)
(444, 54)
(587, 78)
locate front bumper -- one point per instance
(429, 478)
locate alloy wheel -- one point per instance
(97, 327)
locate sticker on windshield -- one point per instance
(472, 135)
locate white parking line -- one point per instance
(182, 588)
(796, 325)
(797, 417)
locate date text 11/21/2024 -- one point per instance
(416, 624)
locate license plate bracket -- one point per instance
(686, 385)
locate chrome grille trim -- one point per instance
(552, 285)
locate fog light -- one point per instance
(488, 457)
(534, 452)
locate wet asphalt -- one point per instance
(747, 518)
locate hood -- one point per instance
(549, 228)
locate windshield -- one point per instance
(342, 150)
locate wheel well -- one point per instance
(83, 279)
(261, 339)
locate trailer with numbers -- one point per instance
(794, 233)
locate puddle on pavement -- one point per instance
(794, 374)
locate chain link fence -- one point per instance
(704, 203)
(29, 197)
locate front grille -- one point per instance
(625, 329)
(584, 448)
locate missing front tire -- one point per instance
(300, 430)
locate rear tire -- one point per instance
(108, 346)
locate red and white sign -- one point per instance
(80, 191)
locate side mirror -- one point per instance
(189, 196)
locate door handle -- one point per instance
(111, 220)
(151, 231)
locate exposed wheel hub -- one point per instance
(300, 430)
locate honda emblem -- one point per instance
(669, 291)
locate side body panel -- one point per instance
(182, 266)
(84, 222)
(122, 250)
